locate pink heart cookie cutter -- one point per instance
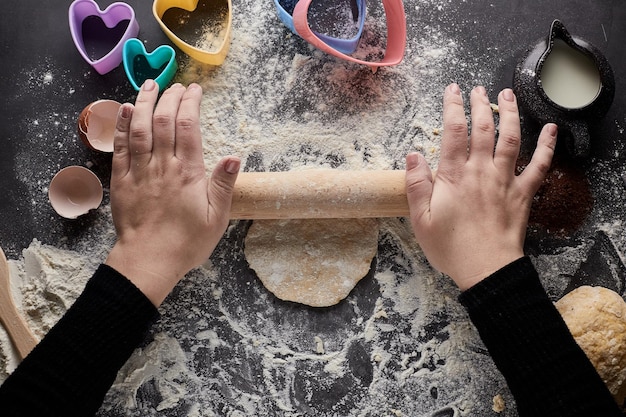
(116, 13)
(396, 34)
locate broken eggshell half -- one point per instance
(74, 191)
(96, 124)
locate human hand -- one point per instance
(470, 218)
(168, 216)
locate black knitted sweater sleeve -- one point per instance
(547, 372)
(69, 372)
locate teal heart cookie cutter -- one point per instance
(140, 65)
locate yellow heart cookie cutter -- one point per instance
(214, 57)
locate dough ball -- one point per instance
(311, 261)
(596, 317)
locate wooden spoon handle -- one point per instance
(16, 327)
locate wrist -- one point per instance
(477, 271)
(152, 273)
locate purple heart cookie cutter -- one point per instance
(112, 18)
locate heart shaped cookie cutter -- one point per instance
(112, 16)
(346, 46)
(396, 34)
(140, 65)
(213, 57)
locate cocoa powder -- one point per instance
(564, 200)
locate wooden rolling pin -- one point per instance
(319, 194)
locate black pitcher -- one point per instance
(565, 80)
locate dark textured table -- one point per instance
(230, 366)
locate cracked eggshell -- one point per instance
(96, 124)
(74, 191)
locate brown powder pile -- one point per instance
(564, 200)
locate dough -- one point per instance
(596, 317)
(314, 261)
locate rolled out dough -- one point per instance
(596, 317)
(314, 261)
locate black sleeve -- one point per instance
(69, 372)
(547, 372)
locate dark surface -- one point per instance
(44, 40)
(38, 124)
(31, 39)
(36, 36)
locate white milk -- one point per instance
(569, 77)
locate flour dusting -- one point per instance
(400, 344)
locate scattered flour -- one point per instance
(403, 345)
(162, 363)
(45, 283)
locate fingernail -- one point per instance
(508, 95)
(552, 129)
(126, 111)
(412, 161)
(177, 85)
(148, 85)
(454, 88)
(232, 166)
(194, 86)
(481, 90)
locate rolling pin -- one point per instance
(319, 194)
